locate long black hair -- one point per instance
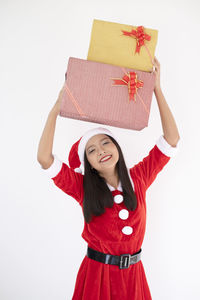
(97, 194)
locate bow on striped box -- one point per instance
(122, 45)
(107, 94)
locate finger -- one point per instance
(155, 58)
(157, 61)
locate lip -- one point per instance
(106, 159)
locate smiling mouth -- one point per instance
(106, 159)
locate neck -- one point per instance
(111, 177)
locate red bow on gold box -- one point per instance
(140, 36)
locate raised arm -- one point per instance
(44, 154)
(170, 130)
(64, 177)
(166, 146)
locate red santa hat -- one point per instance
(76, 154)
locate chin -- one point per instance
(109, 167)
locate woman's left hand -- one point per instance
(157, 74)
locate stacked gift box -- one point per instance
(114, 86)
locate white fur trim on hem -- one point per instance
(55, 167)
(166, 148)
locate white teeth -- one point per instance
(106, 158)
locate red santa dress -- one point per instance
(117, 231)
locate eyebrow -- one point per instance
(100, 140)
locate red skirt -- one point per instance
(99, 281)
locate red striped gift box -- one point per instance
(107, 94)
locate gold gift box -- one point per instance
(108, 44)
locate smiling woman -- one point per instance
(98, 150)
(113, 200)
(98, 174)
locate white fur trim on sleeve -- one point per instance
(55, 167)
(166, 148)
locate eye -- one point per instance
(90, 151)
(103, 144)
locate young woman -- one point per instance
(113, 201)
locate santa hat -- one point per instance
(76, 154)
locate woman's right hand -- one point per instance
(57, 105)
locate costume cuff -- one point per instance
(55, 167)
(166, 148)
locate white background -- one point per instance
(41, 247)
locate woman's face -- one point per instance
(99, 146)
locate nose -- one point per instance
(101, 151)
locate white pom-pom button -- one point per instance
(118, 199)
(127, 230)
(123, 214)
